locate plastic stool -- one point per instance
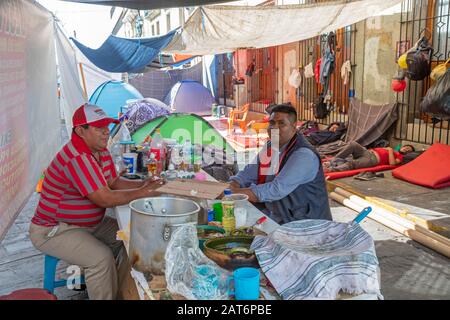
(29, 294)
(50, 283)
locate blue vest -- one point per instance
(307, 201)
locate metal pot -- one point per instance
(153, 220)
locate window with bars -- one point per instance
(430, 18)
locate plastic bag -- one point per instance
(309, 72)
(437, 99)
(189, 272)
(440, 70)
(295, 79)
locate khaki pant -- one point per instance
(95, 250)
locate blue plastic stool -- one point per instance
(50, 283)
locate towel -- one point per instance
(316, 259)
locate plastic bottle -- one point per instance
(152, 165)
(187, 154)
(228, 220)
(171, 174)
(197, 158)
(158, 148)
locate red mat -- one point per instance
(350, 173)
(431, 169)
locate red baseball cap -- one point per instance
(92, 115)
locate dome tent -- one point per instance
(141, 111)
(190, 96)
(170, 124)
(112, 95)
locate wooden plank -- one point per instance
(194, 188)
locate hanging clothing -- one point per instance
(346, 69)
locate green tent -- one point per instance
(182, 126)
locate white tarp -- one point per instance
(29, 115)
(220, 29)
(70, 86)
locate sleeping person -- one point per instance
(365, 158)
(333, 133)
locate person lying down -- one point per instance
(365, 158)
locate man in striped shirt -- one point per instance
(80, 183)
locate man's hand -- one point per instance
(151, 184)
(234, 185)
(235, 188)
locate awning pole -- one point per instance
(84, 81)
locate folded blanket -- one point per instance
(316, 259)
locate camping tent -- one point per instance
(112, 95)
(191, 97)
(141, 111)
(182, 126)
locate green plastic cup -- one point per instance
(217, 207)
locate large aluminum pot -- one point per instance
(153, 220)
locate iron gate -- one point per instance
(432, 18)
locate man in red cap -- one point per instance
(80, 183)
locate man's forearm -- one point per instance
(122, 184)
(247, 191)
(392, 160)
(122, 197)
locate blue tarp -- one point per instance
(125, 55)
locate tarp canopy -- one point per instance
(147, 5)
(181, 126)
(190, 96)
(221, 29)
(125, 55)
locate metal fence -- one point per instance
(432, 18)
(309, 52)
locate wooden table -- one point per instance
(131, 288)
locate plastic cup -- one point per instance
(246, 284)
(240, 214)
(130, 161)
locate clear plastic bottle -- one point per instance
(171, 174)
(228, 219)
(158, 148)
(187, 154)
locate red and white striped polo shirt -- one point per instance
(73, 174)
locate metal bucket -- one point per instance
(153, 220)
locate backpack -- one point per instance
(418, 60)
(320, 108)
